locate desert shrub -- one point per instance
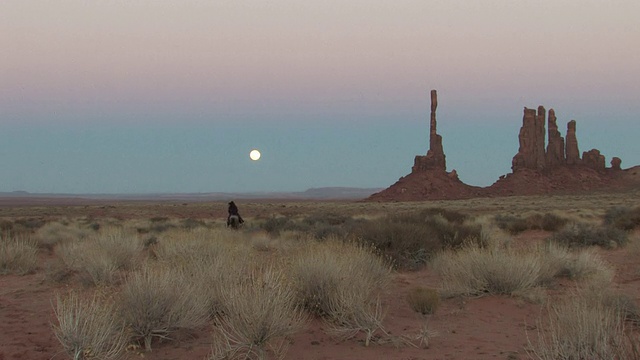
(259, 312)
(51, 234)
(17, 256)
(424, 300)
(326, 218)
(622, 217)
(341, 282)
(412, 239)
(192, 223)
(156, 302)
(512, 224)
(587, 265)
(5, 226)
(87, 328)
(101, 259)
(29, 224)
(474, 271)
(624, 305)
(515, 225)
(275, 225)
(581, 235)
(351, 314)
(321, 269)
(211, 260)
(179, 247)
(583, 327)
(451, 216)
(319, 225)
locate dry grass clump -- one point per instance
(493, 270)
(320, 270)
(156, 302)
(101, 259)
(500, 269)
(341, 282)
(177, 247)
(17, 256)
(583, 326)
(260, 311)
(582, 235)
(54, 233)
(87, 327)
(424, 300)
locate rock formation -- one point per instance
(572, 152)
(615, 163)
(429, 178)
(555, 145)
(593, 159)
(435, 159)
(531, 154)
(537, 169)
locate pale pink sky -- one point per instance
(197, 53)
(326, 66)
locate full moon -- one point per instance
(254, 155)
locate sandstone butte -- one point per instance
(539, 168)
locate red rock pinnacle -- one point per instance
(435, 158)
(573, 154)
(555, 145)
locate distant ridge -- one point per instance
(323, 193)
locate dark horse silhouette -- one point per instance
(233, 221)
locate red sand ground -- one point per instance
(490, 327)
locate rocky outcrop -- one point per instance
(435, 159)
(593, 159)
(572, 152)
(616, 163)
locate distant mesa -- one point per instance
(540, 167)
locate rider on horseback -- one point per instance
(233, 211)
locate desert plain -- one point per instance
(485, 323)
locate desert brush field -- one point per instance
(537, 277)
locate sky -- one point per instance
(159, 96)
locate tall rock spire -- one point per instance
(572, 152)
(435, 158)
(555, 145)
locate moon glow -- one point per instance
(254, 155)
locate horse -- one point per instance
(233, 222)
